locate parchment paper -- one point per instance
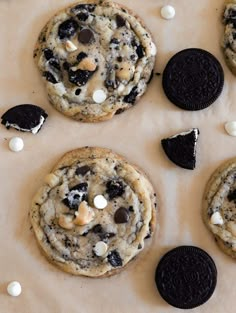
(136, 134)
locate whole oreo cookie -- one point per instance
(186, 277)
(193, 79)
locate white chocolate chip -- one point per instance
(16, 144)
(153, 49)
(100, 202)
(52, 180)
(70, 46)
(168, 12)
(230, 128)
(216, 219)
(14, 289)
(100, 248)
(99, 96)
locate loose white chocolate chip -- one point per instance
(230, 128)
(14, 289)
(70, 46)
(99, 96)
(16, 144)
(100, 202)
(52, 180)
(84, 215)
(216, 219)
(100, 248)
(168, 12)
(66, 221)
(87, 64)
(153, 49)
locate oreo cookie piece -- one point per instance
(181, 148)
(25, 118)
(193, 79)
(186, 277)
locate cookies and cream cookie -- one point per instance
(93, 213)
(229, 39)
(96, 58)
(219, 210)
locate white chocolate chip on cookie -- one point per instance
(100, 202)
(216, 219)
(99, 96)
(100, 248)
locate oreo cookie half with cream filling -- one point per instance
(96, 58)
(181, 148)
(219, 207)
(229, 39)
(25, 118)
(94, 212)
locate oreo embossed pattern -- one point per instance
(193, 79)
(186, 277)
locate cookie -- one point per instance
(193, 79)
(186, 277)
(219, 212)
(229, 38)
(25, 118)
(94, 213)
(96, 58)
(181, 148)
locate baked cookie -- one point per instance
(96, 58)
(93, 213)
(219, 210)
(229, 39)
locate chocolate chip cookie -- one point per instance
(96, 58)
(229, 39)
(94, 212)
(219, 210)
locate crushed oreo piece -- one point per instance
(232, 195)
(79, 77)
(49, 77)
(97, 229)
(120, 21)
(54, 63)
(48, 54)
(66, 65)
(82, 55)
(131, 97)
(115, 188)
(67, 29)
(83, 170)
(140, 51)
(76, 195)
(114, 259)
(82, 16)
(78, 91)
(25, 117)
(84, 7)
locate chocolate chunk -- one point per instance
(186, 277)
(115, 188)
(49, 77)
(48, 54)
(97, 229)
(82, 16)
(114, 259)
(232, 195)
(193, 79)
(140, 51)
(120, 21)
(81, 56)
(86, 36)
(24, 117)
(121, 216)
(115, 41)
(54, 63)
(131, 97)
(83, 170)
(119, 59)
(67, 29)
(78, 91)
(79, 77)
(181, 148)
(76, 195)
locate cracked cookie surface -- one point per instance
(96, 58)
(81, 237)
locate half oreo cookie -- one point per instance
(181, 148)
(25, 118)
(186, 277)
(193, 79)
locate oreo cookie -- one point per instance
(186, 277)
(181, 148)
(193, 79)
(25, 118)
